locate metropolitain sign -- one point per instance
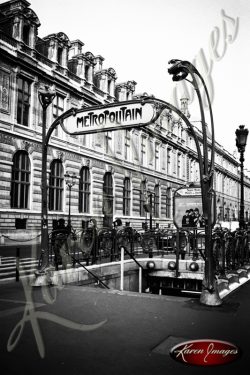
(115, 116)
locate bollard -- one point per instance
(17, 262)
(122, 268)
(140, 279)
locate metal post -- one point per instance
(70, 180)
(242, 208)
(122, 268)
(140, 279)
(69, 217)
(45, 98)
(241, 141)
(180, 70)
(17, 263)
(151, 209)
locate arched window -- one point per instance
(126, 196)
(84, 190)
(56, 186)
(142, 198)
(20, 181)
(157, 201)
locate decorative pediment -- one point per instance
(61, 37)
(111, 72)
(89, 56)
(31, 15)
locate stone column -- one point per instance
(90, 74)
(17, 28)
(104, 82)
(53, 45)
(112, 87)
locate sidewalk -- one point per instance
(134, 325)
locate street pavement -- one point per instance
(77, 330)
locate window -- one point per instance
(143, 150)
(168, 160)
(109, 86)
(58, 108)
(168, 203)
(126, 197)
(157, 201)
(86, 72)
(108, 199)
(56, 186)
(60, 55)
(108, 142)
(20, 223)
(26, 34)
(142, 198)
(157, 147)
(127, 145)
(20, 181)
(23, 102)
(84, 190)
(178, 165)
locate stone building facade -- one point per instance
(116, 171)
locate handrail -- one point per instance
(132, 257)
(91, 273)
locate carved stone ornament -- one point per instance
(112, 72)
(60, 155)
(109, 168)
(85, 162)
(29, 147)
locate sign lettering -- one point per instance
(107, 118)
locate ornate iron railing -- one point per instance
(230, 250)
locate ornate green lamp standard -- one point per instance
(180, 70)
(241, 141)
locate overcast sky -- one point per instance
(138, 37)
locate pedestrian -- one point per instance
(191, 216)
(185, 219)
(198, 219)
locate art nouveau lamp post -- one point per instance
(180, 70)
(241, 141)
(45, 97)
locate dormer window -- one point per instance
(86, 72)
(26, 34)
(109, 86)
(60, 55)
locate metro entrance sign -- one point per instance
(130, 114)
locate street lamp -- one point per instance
(45, 97)
(148, 207)
(241, 141)
(180, 70)
(70, 180)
